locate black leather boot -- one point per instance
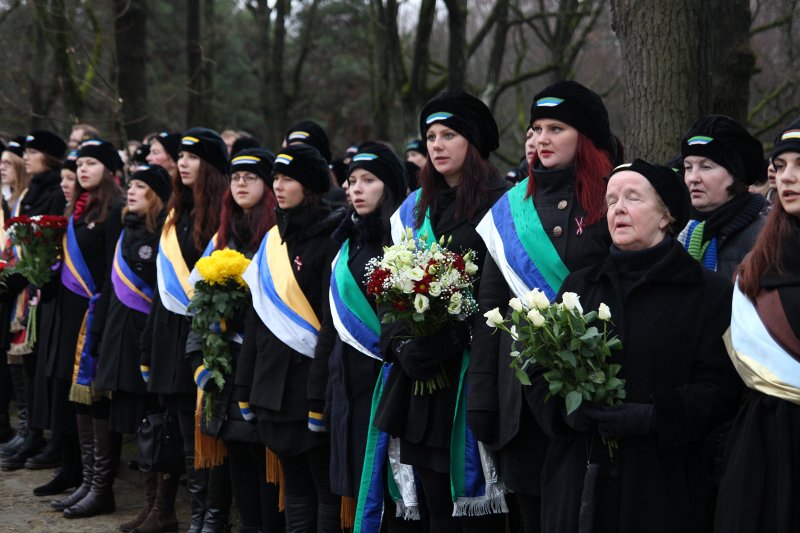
(100, 499)
(301, 514)
(86, 441)
(69, 475)
(50, 456)
(218, 500)
(329, 518)
(33, 443)
(197, 483)
(18, 383)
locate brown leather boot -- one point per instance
(149, 482)
(162, 515)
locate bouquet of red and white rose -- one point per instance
(426, 286)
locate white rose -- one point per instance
(493, 318)
(515, 304)
(537, 299)
(454, 307)
(571, 302)
(514, 334)
(603, 312)
(421, 303)
(435, 289)
(535, 318)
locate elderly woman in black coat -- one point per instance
(679, 381)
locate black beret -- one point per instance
(206, 144)
(580, 107)
(304, 163)
(103, 151)
(310, 133)
(417, 145)
(465, 114)
(171, 141)
(140, 154)
(46, 141)
(157, 178)
(256, 160)
(788, 140)
(384, 164)
(16, 146)
(727, 143)
(669, 186)
(244, 142)
(71, 162)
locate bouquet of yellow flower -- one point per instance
(216, 297)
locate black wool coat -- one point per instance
(495, 391)
(118, 353)
(671, 323)
(271, 376)
(426, 421)
(163, 342)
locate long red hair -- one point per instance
(248, 229)
(208, 192)
(592, 165)
(767, 253)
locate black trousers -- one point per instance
(309, 473)
(257, 500)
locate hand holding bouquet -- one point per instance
(427, 287)
(559, 337)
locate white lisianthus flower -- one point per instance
(603, 312)
(435, 289)
(470, 268)
(571, 302)
(493, 318)
(454, 307)
(406, 285)
(515, 304)
(416, 274)
(421, 303)
(535, 318)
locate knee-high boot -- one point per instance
(197, 483)
(162, 515)
(100, 499)
(150, 485)
(329, 518)
(218, 500)
(301, 514)
(86, 441)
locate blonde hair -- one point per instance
(22, 179)
(155, 206)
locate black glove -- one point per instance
(623, 420)
(416, 361)
(483, 425)
(579, 420)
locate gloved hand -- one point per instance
(204, 379)
(316, 418)
(483, 425)
(247, 414)
(623, 420)
(416, 361)
(579, 420)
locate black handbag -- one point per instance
(160, 443)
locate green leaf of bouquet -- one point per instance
(555, 387)
(522, 376)
(569, 357)
(590, 334)
(573, 401)
(597, 377)
(614, 344)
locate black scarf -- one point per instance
(731, 217)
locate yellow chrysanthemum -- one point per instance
(223, 266)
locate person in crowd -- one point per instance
(193, 215)
(94, 226)
(552, 222)
(43, 156)
(720, 160)
(416, 152)
(310, 133)
(80, 133)
(248, 212)
(164, 151)
(230, 137)
(679, 382)
(288, 279)
(762, 474)
(457, 186)
(12, 171)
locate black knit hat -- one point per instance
(243, 143)
(71, 162)
(157, 178)
(788, 140)
(171, 141)
(580, 107)
(303, 163)
(464, 113)
(16, 146)
(46, 141)
(727, 143)
(103, 151)
(256, 160)
(140, 154)
(310, 133)
(417, 145)
(382, 162)
(669, 186)
(206, 144)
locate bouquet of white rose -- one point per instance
(574, 354)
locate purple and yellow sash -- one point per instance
(131, 290)
(76, 277)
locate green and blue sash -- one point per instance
(520, 246)
(405, 217)
(354, 318)
(277, 297)
(76, 277)
(131, 290)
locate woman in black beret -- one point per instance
(679, 381)
(165, 152)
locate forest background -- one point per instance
(364, 68)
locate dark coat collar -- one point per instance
(676, 268)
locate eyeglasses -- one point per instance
(248, 179)
(4, 163)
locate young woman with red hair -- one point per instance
(548, 225)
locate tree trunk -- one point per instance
(130, 31)
(417, 93)
(456, 52)
(279, 114)
(208, 62)
(194, 82)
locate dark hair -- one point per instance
(592, 165)
(100, 198)
(207, 192)
(247, 229)
(472, 186)
(775, 237)
(51, 161)
(155, 209)
(70, 207)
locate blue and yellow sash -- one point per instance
(278, 298)
(405, 217)
(173, 272)
(131, 290)
(76, 277)
(519, 245)
(353, 316)
(761, 362)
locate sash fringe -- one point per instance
(348, 512)
(208, 451)
(81, 394)
(275, 476)
(493, 502)
(406, 512)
